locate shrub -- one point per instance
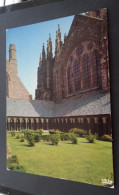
(45, 138)
(30, 139)
(22, 140)
(74, 139)
(37, 137)
(13, 159)
(55, 139)
(106, 138)
(24, 131)
(13, 164)
(79, 132)
(27, 133)
(17, 137)
(13, 133)
(65, 136)
(91, 137)
(15, 167)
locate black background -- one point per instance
(37, 11)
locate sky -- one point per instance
(28, 41)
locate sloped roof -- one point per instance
(90, 104)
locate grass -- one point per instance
(83, 162)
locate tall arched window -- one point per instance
(56, 84)
(69, 76)
(86, 71)
(77, 80)
(95, 66)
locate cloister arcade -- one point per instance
(97, 124)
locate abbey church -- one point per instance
(73, 86)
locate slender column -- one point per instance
(15, 125)
(20, 123)
(42, 122)
(104, 120)
(26, 120)
(32, 123)
(47, 123)
(37, 123)
(88, 120)
(96, 120)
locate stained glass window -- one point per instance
(95, 66)
(77, 84)
(69, 75)
(86, 71)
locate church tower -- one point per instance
(15, 89)
(12, 56)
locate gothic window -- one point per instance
(69, 76)
(79, 51)
(56, 86)
(95, 66)
(77, 84)
(86, 71)
(90, 46)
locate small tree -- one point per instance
(55, 139)
(30, 140)
(91, 137)
(74, 139)
(13, 133)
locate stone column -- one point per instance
(32, 123)
(47, 123)
(88, 120)
(20, 123)
(37, 123)
(26, 123)
(15, 125)
(42, 122)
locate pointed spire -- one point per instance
(58, 42)
(65, 36)
(58, 27)
(49, 47)
(43, 53)
(59, 33)
(49, 37)
(40, 61)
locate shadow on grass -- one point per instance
(88, 142)
(71, 143)
(50, 144)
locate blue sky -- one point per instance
(28, 41)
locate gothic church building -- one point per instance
(73, 87)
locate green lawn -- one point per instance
(84, 162)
